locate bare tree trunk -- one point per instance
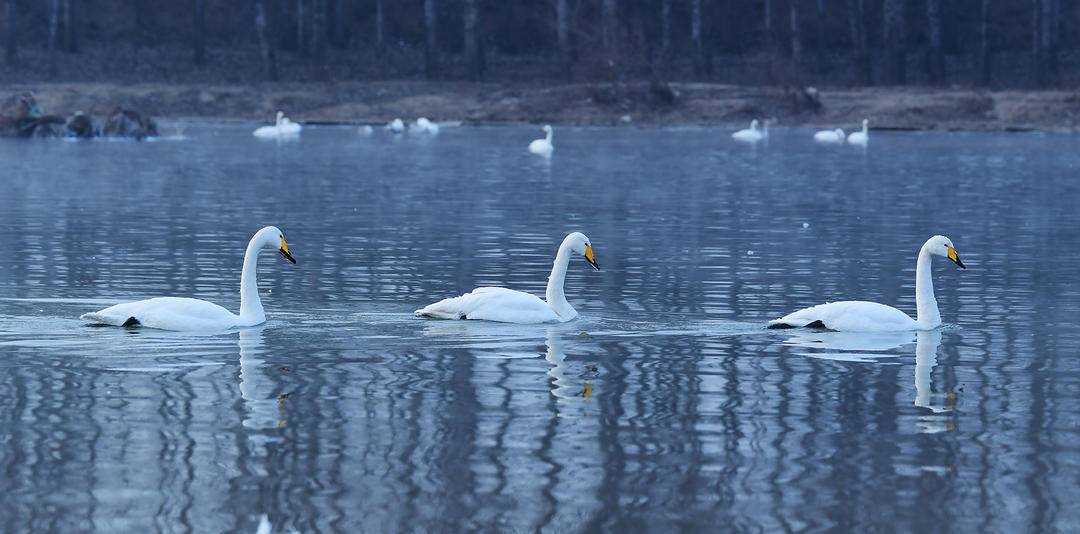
(301, 23)
(200, 33)
(700, 65)
(609, 22)
(339, 24)
(665, 36)
(859, 54)
(431, 59)
(769, 41)
(819, 50)
(983, 71)
(895, 37)
(380, 36)
(54, 22)
(1047, 49)
(796, 37)
(472, 48)
(318, 30)
(935, 57)
(265, 45)
(11, 47)
(562, 29)
(71, 34)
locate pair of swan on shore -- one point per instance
(505, 305)
(421, 126)
(283, 127)
(485, 303)
(836, 137)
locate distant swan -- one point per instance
(395, 126)
(861, 316)
(509, 306)
(365, 130)
(424, 126)
(543, 147)
(861, 137)
(830, 136)
(175, 313)
(282, 127)
(751, 134)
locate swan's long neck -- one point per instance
(925, 303)
(251, 310)
(549, 134)
(556, 299)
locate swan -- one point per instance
(831, 137)
(424, 126)
(861, 316)
(543, 147)
(509, 306)
(861, 137)
(365, 130)
(751, 134)
(175, 313)
(282, 127)
(395, 126)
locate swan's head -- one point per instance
(546, 129)
(753, 124)
(940, 245)
(840, 132)
(579, 244)
(865, 122)
(271, 237)
(280, 115)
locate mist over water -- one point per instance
(666, 406)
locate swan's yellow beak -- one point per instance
(955, 259)
(591, 257)
(284, 251)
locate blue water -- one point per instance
(665, 407)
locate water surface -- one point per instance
(666, 406)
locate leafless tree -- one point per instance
(860, 55)
(935, 56)
(12, 26)
(70, 24)
(431, 23)
(562, 30)
(199, 32)
(301, 23)
(984, 64)
(894, 37)
(380, 36)
(318, 30)
(665, 36)
(609, 23)
(266, 46)
(472, 49)
(1044, 41)
(819, 49)
(54, 23)
(700, 63)
(796, 35)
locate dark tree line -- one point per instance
(894, 42)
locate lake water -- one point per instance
(667, 406)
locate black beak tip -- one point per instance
(961, 264)
(287, 256)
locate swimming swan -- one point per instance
(395, 126)
(424, 126)
(543, 147)
(831, 137)
(751, 134)
(861, 316)
(861, 137)
(509, 306)
(175, 313)
(282, 127)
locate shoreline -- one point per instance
(637, 104)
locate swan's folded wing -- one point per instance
(848, 316)
(166, 313)
(492, 304)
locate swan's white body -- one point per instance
(831, 137)
(861, 316)
(424, 126)
(751, 134)
(509, 306)
(861, 137)
(282, 127)
(187, 314)
(365, 130)
(543, 147)
(395, 126)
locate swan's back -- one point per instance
(541, 146)
(492, 304)
(848, 316)
(166, 313)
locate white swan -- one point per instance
(282, 127)
(395, 126)
(543, 147)
(751, 134)
(831, 137)
(861, 316)
(365, 130)
(424, 126)
(509, 306)
(175, 313)
(861, 137)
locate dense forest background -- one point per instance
(998, 43)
